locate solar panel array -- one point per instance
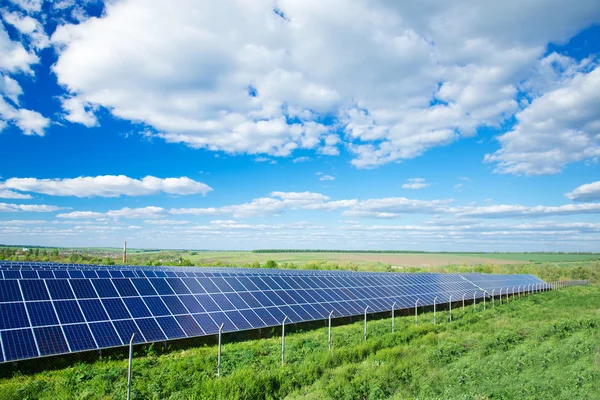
(50, 309)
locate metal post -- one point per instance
(506, 295)
(519, 291)
(464, 303)
(416, 313)
(129, 370)
(365, 330)
(329, 336)
(283, 340)
(483, 301)
(393, 308)
(493, 291)
(219, 354)
(450, 307)
(500, 296)
(434, 316)
(474, 301)
(513, 292)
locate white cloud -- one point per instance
(508, 211)
(142, 212)
(458, 186)
(8, 207)
(558, 128)
(394, 207)
(29, 27)
(31, 6)
(107, 186)
(327, 178)
(79, 112)
(9, 194)
(10, 88)
(166, 222)
(241, 72)
(13, 56)
(264, 159)
(30, 122)
(415, 183)
(301, 159)
(587, 192)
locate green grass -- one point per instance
(539, 257)
(542, 347)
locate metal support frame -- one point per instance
(493, 300)
(416, 312)
(129, 369)
(219, 354)
(500, 296)
(464, 303)
(513, 293)
(519, 291)
(506, 295)
(475, 301)
(434, 310)
(450, 308)
(283, 339)
(365, 329)
(393, 319)
(483, 301)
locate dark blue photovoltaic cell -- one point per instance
(275, 299)
(68, 312)
(41, 313)
(265, 316)
(263, 299)
(83, 289)
(50, 340)
(79, 337)
(170, 327)
(161, 286)
(9, 291)
(253, 319)
(193, 285)
(45, 274)
(137, 308)
(34, 290)
(61, 274)
(206, 323)
(277, 314)
(60, 289)
(103, 274)
(116, 309)
(90, 274)
(250, 300)
(125, 287)
(150, 329)
(174, 305)
(236, 300)
(238, 319)
(12, 275)
(208, 286)
(301, 312)
(19, 344)
(191, 304)
(222, 301)
(208, 303)
(221, 318)
(116, 274)
(92, 310)
(125, 328)
(247, 283)
(222, 285)
(105, 334)
(74, 274)
(156, 306)
(144, 287)
(105, 288)
(13, 315)
(292, 316)
(189, 325)
(177, 285)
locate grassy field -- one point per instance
(542, 347)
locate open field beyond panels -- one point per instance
(546, 346)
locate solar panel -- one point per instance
(50, 309)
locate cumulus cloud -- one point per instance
(9, 194)
(415, 183)
(245, 80)
(301, 159)
(137, 213)
(327, 178)
(8, 207)
(107, 186)
(558, 128)
(587, 192)
(28, 27)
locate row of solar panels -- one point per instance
(42, 317)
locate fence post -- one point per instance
(219, 354)
(329, 334)
(393, 309)
(366, 323)
(483, 301)
(450, 307)
(464, 303)
(475, 301)
(500, 296)
(283, 339)
(434, 309)
(416, 313)
(493, 300)
(129, 369)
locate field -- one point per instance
(394, 259)
(542, 347)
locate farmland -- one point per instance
(544, 346)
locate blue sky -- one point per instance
(457, 126)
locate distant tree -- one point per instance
(55, 253)
(271, 264)
(44, 253)
(36, 252)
